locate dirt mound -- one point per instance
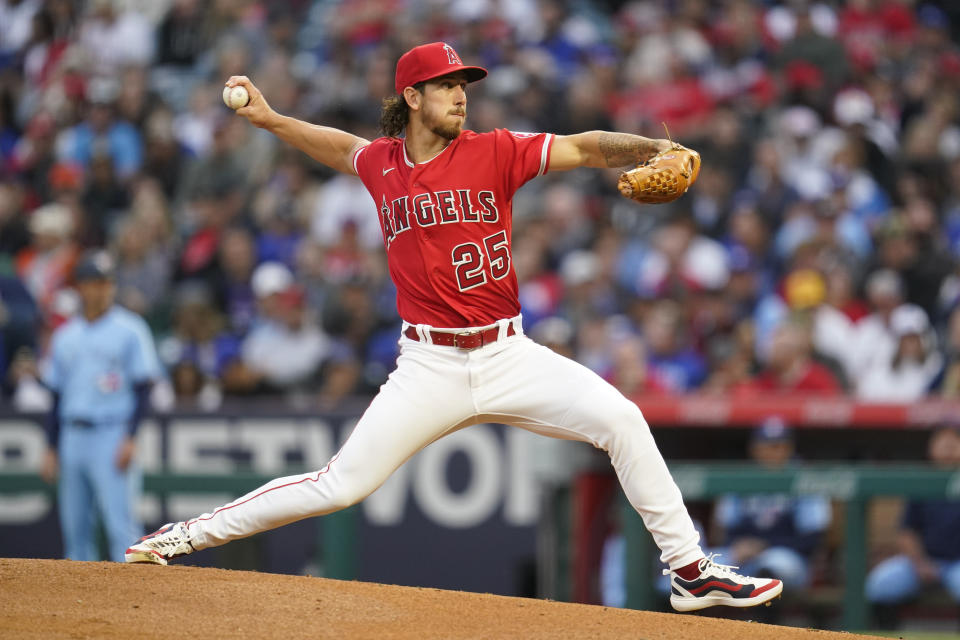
(64, 599)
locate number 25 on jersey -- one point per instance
(468, 258)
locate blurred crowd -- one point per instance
(816, 253)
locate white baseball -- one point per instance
(235, 97)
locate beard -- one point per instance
(445, 128)
(448, 131)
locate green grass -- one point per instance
(916, 635)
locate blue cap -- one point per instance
(95, 265)
(933, 17)
(773, 429)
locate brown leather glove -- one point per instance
(663, 178)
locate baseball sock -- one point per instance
(689, 572)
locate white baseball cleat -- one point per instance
(169, 541)
(717, 584)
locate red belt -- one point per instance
(465, 340)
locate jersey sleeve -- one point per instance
(143, 362)
(521, 156)
(363, 159)
(359, 159)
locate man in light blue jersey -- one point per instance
(100, 367)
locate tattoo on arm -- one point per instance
(621, 149)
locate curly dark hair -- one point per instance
(395, 114)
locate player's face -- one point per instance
(772, 454)
(96, 295)
(445, 105)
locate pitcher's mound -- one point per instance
(64, 599)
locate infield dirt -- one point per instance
(65, 599)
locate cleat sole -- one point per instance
(134, 556)
(694, 604)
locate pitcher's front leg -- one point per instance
(425, 397)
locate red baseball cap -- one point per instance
(432, 61)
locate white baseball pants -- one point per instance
(436, 390)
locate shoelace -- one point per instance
(723, 570)
(170, 541)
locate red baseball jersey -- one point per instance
(447, 222)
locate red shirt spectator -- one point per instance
(790, 365)
(813, 377)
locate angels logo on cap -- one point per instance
(452, 56)
(430, 61)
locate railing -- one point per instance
(854, 485)
(797, 409)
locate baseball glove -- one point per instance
(663, 178)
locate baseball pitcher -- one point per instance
(444, 195)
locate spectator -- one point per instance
(46, 265)
(586, 292)
(929, 548)
(344, 199)
(164, 158)
(287, 353)
(220, 173)
(114, 38)
(790, 366)
(194, 129)
(731, 361)
(104, 200)
(43, 51)
(102, 132)
(541, 288)
(192, 389)
(630, 373)
(913, 366)
(874, 342)
(14, 235)
(810, 53)
(143, 269)
(134, 102)
(33, 156)
(182, 35)
(750, 253)
(268, 281)
(198, 337)
(932, 262)
(16, 18)
(234, 289)
(209, 216)
(803, 151)
(350, 314)
(863, 164)
(554, 333)
(673, 362)
(835, 320)
(682, 260)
